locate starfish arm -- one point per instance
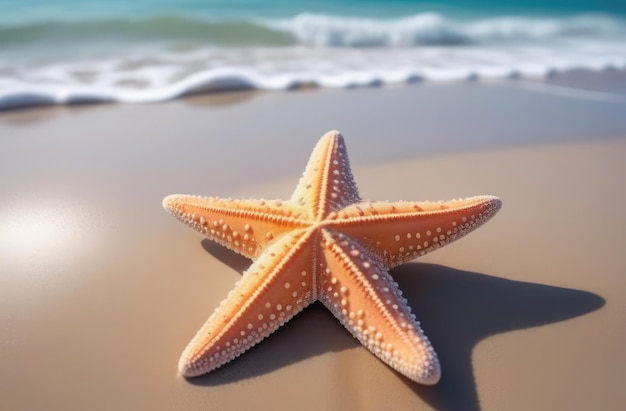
(244, 226)
(361, 294)
(327, 183)
(275, 288)
(401, 231)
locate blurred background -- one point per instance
(67, 51)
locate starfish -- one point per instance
(324, 244)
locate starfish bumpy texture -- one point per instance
(325, 244)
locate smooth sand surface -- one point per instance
(100, 289)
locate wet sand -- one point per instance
(101, 290)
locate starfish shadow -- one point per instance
(457, 310)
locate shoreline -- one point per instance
(607, 82)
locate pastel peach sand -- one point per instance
(100, 290)
(324, 244)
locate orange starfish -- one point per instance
(324, 244)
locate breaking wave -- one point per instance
(317, 30)
(164, 57)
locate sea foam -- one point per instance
(308, 49)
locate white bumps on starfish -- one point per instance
(324, 244)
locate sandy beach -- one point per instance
(100, 289)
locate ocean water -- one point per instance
(72, 51)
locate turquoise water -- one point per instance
(60, 51)
(18, 11)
